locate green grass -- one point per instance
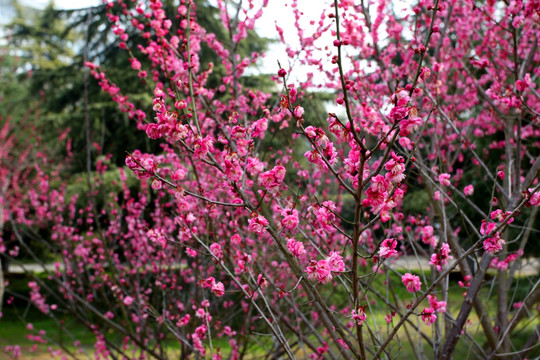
(13, 329)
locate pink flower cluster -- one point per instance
(395, 168)
(322, 270)
(388, 248)
(216, 250)
(257, 223)
(37, 298)
(411, 282)
(504, 264)
(534, 199)
(377, 196)
(493, 244)
(325, 214)
(217, 287)
(468, 190)
(426, 232)
(156, 236)
(296, 248)
(359, 315)
(271, 180)
(324, 152)
(428, 315)
(440, 258)
(290, 218)
(444, 179)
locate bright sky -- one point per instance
(61, 4)
(277, 10)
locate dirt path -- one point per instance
(527, 267)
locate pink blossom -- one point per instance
(298, 111)
(128, 300)
(156, 184)
(218, 289)
(290, 222)
(201, 331)
(521, 85)
(501, 265)
(379, 184)
(438, 306)
(427, 235)
(388, 248)
(441, 257)
(487, 227)
(494, 244)
(444, 179)
(534, 199)
(296, 248)
(324, 214)
(399, 113)
(257, 223)
(202, 146)
(388, 317)
(319, 270)
(190, 252)
(315, 157)
(216, 250)
(359, 315)
(428, 316)
(259, 127)
(501, 216)
(271, 180)
(90, 65)
(290, 218)
(292, 94)
(468, 190)
(409, 125)
(466, 281)
(411, 282)
(335, 262)
(400, 97)
(156, 236)
(262, 282)
(135, 64)
(198, 344)
(425, 71)
(180, 104)
(208, 282)
(323, 272)
(395, 168)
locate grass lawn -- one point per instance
(65, 329)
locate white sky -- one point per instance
(277, 10)
(61, 4)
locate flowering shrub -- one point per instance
(434, 147)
